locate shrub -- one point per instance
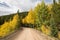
(45, 29)
(59, 34)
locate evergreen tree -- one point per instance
(59, 1)
(54, 1)
(53, 27)
(56, 10)
(19, 18)
(55, 18)
(18, 12)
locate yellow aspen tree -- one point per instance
(29, 18)
(14, 22)
(9, 27)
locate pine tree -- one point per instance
(54, 18)
(59, 1)
(53, 25)
(18, 11)
(54, 1)
(19, 17)
(56, 10)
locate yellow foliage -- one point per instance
(49, 7)
(45, 30)
(29, 18)
(59, 35)
(4, 29)
(24, 20)
(14, 22)
(9, 27)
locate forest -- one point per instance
(45, 18)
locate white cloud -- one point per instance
(23, 5)
(7, 7)
(7, 11)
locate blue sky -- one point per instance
(48, 0)
(22, 5)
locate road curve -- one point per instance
(30, 34)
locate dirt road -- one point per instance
(30, 34)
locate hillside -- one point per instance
(8, 17)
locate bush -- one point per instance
(45, 29)
(59, 34)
